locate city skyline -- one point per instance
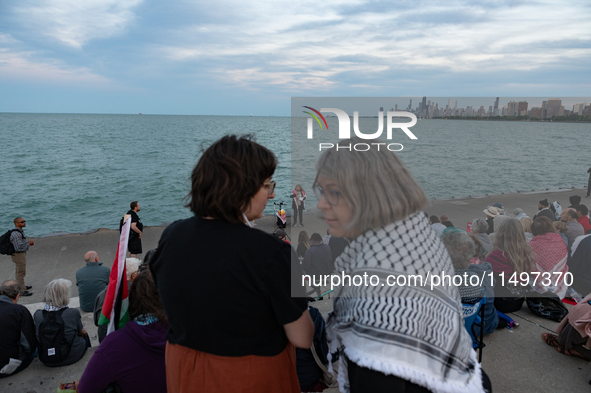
(247, 57)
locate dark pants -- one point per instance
(299, 211)
(23, 365)
(362, 380)
(589, 187)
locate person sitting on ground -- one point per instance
(460, 248)
(303, 244)
(317, 261)
(544, 210)
(511, 254)
(480, 230)
(573, 332)
(281, 235)
(491, 212)
(131, 270)
(75, 340)
(560, 228)
(91, 280)
(445, 221)
(518, 213)
(436, 225)
(496, 222)
(133, 357)
(574, 229)
(582, 212)
(578, 264)
(574, 200)
(17, 331)
(550, 256)
(527, 223)
(499, 207)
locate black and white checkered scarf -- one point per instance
(412, 332)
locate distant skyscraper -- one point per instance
(553, 107)
(522, 108)
(496, 109)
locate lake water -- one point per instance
(76, 172)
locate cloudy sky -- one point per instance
(249, 57)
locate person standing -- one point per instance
(135, 234)
(21, 246)
(91, 280)
(589, 183)
(298, 196)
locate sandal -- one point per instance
(573, 353)
(550, 339)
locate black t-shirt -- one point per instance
(225, 287)
(138, 223)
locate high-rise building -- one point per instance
(496, 108)
(553, 107)
(522, 108)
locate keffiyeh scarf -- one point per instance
(407, 331)
(551, 256)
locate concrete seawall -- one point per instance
(516, 361)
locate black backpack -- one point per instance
(6, 246)
(52, 346)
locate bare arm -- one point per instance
(300, 332)
(135, 229)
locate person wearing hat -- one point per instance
(280, 233)
(491, 212)
(544, 210)
(500, 208)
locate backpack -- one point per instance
(52, 346)
(6, 246)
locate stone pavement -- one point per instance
(515, 360)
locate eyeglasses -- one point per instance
(331, 196)
(270, 186)
(22, 222)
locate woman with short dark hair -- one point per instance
(244, 340)
(303, 244)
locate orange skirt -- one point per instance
(191, 371)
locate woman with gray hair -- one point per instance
(480, 229)
(371, 198)
(54, 352)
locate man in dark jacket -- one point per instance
(317, 261)
(17, 331)
(544, 210)
(90, 280)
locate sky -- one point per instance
(250, 57)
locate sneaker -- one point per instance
(26, 293)
(28, 287)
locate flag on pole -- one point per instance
(114, 311)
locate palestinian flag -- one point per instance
(115, 312)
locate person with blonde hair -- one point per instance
(298, 204)
(511, 254)
(480, 230)
(527, 223)
(75, 340)
(370, 198)
(303, 244)
(561, 229)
